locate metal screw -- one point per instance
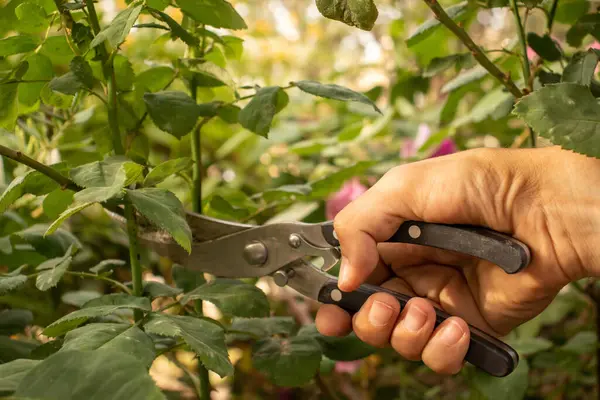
(414, 231)
(282, 278)
(255, 253)
(336, 295)
(295, 241)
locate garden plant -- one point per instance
(159, 111)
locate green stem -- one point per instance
(479, 55)
(552, 14)
(134, 256)
(100, 278)
(522, 40)
(44, 169)
(113, 120)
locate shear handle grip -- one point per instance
(485, 352)
(505, 251)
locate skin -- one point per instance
(548, 198)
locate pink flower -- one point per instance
(349, 192)
(531, 54)
(595, 45)
(347, 367)
(410, 147)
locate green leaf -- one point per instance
(79, 297)
(166, 169)
(119, 28)
(544, 46)
(288, 362)
(66, 214)
(258, 114)
(164, 210)
(565, 113)
(457, 12)
(31, 16)
(67, 84)
(495, 104)
(154, 79)
(121, 338)
(176, 30)
(11, 349)
(32, 182)
(57, 201)
(345, 348)
(14, 321)
(11, 283)
(51, 246)
(586, 25)
(173, 112)
(187, 279)
(53, 270)
(106, 265)
(205, 338)
(581, 68)
(511, 387)
(99, 307)
(124, 74)
(286, 191)
(465, 78)
(16, 45)
(258, 328)
(217, 13)
(82, 71)
(120, 376)
(206, 73)
(582, 343)
(530, 346)
(336, 92)
(13, 372)
(233, 297)
(359, 13)
(40, 68)
(113, 171)
(441, 64)
(157, 289)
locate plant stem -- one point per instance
(100, 278)
(44, 169)
(134, 256)
(522, 40)
(552, 15)
(479, 55)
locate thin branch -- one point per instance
(485, 62)
(522, 40)
(552, 14)
(100, 278)
(44, 169)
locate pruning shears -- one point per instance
(283, 251)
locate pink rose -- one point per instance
(446, 147)
(411, 146)
(531, 54)
(349, 191)
(347, 367)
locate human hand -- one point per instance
(547, 198)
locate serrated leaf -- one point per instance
(465, 78)
(57, 201)
(209, 74)
(89, 369)
(99, 307)
(52, 271)
(51, 246)
(13, 372)
(286, 191)
(441, 64)
(359, 13)
(106, 265)
(176, 30)
(205, 338)
(32, 182)
(257, 328)
(154, 79)
(16, 45)
(10, 283)
(121, 338)
(164, 170)
(67, 84)
(157, 289)
(287, 362)
(511, 387)
(116, 32)
(109, 172)
(565, 113)
(584, 342)
(32, 17)
(14, 321)
(257, 116)
(233, 297)
(66, 214)
(581, 68)
(344, 348)
(40, 69)
(173, 112)
(124, 75)
(530, 346)
(82, 71)
(217, 13)
(187, 279)
(456, 12)
(164, 210)
(79, 297)
(544, 46)
(336, 92)
(588, 24)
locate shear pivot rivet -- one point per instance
(336, 295)
(255, 253)
(295, 241)
(414, 231)
(282, 278)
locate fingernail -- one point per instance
(451, 334)
(343, 275)
(414, 319)
(380, 313)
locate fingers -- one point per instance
(376, 319)
(446, 350)
(333, 321)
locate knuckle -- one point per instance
(405, 348)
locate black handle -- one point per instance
(505, 251)
(485, 352)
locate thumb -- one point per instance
(473, 187)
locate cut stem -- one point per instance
(479, 55)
